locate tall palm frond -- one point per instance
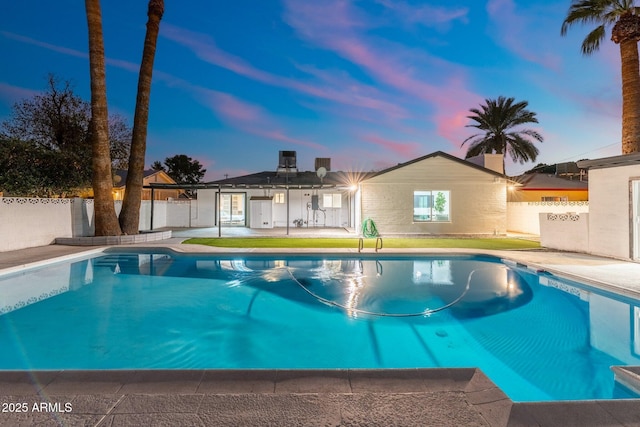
(498, 119)
(623, 17)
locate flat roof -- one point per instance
(610, 162)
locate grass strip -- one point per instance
(322, 242)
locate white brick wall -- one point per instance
(609, 211)
(563, 231)
(524, 217)
(28, 222)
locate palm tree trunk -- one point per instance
(130, 214)
(106, 221)
(630, 96)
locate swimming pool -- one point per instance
(537, 336)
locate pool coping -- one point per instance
(448, 396)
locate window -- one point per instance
(278, 198)
(555, 199)
(431, 206)
(331, 200)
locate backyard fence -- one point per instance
(565, 231)
(524, 217)
(28, 222)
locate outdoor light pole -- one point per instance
(151, 216)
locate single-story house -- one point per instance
(438, 194)
(287, 196)
(150, 176)
(434, 194)
(542, 187)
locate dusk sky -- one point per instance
(368, 83)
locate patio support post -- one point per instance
(349, 209)
(288, 205)
(151, 215)
(218, 199)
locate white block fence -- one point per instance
(524, 217)
(30, 222)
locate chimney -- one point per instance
(494, 162)
(323, 162)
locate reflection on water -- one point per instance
(415, 287)
(22, 289)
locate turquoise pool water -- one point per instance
(537, 336)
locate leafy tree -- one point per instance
(542, 168)
(157, 166)
(440, 203)
(130, 214)
(623, 15)
(105, 219)
(182, 169)
(499, 121)
(57, 119)
(19, 173)
(54, 126)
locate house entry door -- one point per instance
(232, 209)
(635, 218)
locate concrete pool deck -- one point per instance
(437, 397)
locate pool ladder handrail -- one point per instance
(361, 244)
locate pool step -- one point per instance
(628, 377)
(130, 263)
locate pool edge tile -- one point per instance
(237, 381)
(313, 381)
(179, 381)
(88, 382)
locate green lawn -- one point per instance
(294, 242)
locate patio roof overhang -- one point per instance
(219, 187)
(212, 186)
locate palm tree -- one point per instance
(623, 15)
(106, 221)
(130, 214)
(498, 120)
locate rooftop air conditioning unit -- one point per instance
(287, 160)
(287, 164)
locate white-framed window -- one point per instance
(430, 206)
(278, 198)
(555, 198)
(332, 200)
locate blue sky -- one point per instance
(368, 83)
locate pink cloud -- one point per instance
(119, 63)
(426, 14)
(231, 108)
(237, 113)
(392, 65)
(12, 94)
(48, 46)
(404, 149)
(358, 95)
(247, 117)
(515, 31)
(278, 135)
